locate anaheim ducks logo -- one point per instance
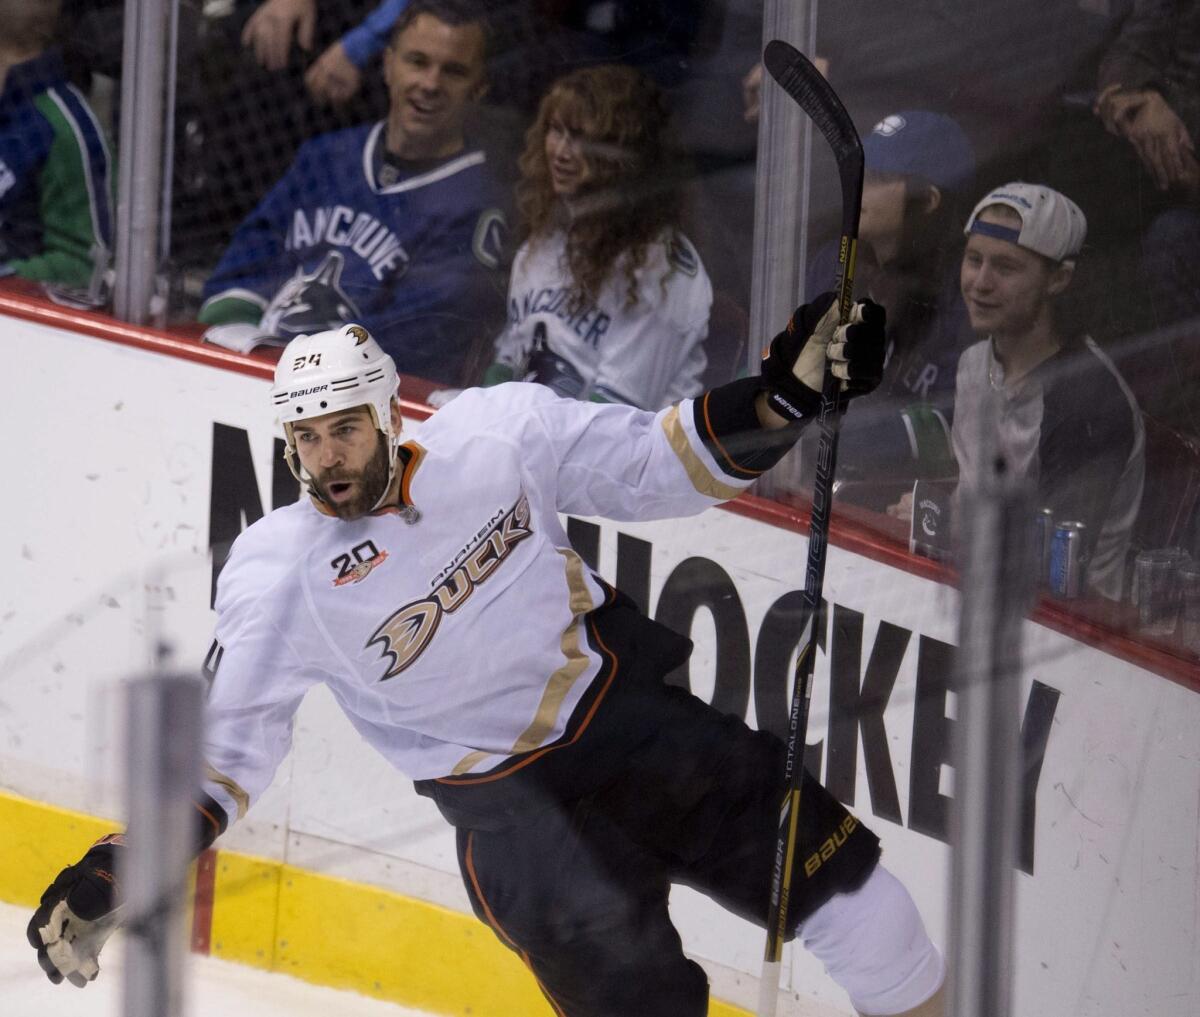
(406, 634)
(360, 334)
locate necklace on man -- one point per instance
(995, 379)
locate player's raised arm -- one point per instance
(622, 463)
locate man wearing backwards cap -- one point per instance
(919, 171)
(1066, 418)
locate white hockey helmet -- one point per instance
(329, 371)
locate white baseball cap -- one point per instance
(1051, 223)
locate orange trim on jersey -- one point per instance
(321, 507)
(533, 757)
(216, 825)
(410, 468)
(717, 441)
(499, 929)
(415, 454)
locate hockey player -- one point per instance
(397, 224)
(608, 300)
(428, 582)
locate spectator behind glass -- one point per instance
(1149, 82)
(919, 168)
(608, 300)
(337, 74)
(397, 224)
(56, 182)
(1046, 398)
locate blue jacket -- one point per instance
(412, 252)
(56, 179)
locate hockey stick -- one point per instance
(804, 83)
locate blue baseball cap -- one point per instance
(918, 143)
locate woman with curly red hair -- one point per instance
(608, 300)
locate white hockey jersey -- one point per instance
(456, 641)
(647, 355)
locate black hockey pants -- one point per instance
(579, 890)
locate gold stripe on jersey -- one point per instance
(236, 791)
(563, 680)
(465, 764)
(702, 480)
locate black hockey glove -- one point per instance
(77, 914)
(794, 367)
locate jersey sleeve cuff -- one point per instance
(232, 306)
(360, 45)
(726, 420)
(211, 820)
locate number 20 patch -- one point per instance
(355, 566)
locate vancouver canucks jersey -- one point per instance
(647, 354)
(458, 640)
(411, 252)
(56, 181)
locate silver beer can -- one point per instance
(1067, 564)
(1043, 537)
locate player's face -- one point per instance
(347, 458)
(565, 158)
(1006, 288)
(433, 70)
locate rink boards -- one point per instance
(133, 464)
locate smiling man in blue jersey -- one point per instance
(397, 224)
(56, 181)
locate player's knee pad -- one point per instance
(874, 945)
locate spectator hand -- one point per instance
(333, 78)
(752, 88)
(903, 509)
(1159, 137)
(794, 368)
(269, 30)
(752, 94)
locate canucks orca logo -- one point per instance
(681, 256)
(490, 234)
(309, 303)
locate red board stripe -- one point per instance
(202, 907)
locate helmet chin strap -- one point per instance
(385, 432)
(393, 459)
(301, 474)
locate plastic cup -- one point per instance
(1156, 589)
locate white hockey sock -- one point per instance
(874, 945)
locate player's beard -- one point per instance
(371, 482)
